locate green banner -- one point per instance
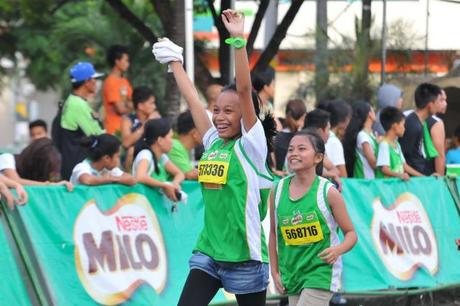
(130, 245)
(406, 231)
(113, 244)
(12, 286)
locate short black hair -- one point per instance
(339, 110)
(141, 94)
(100, 145)
(426, 93)
(317, 119)
(38, 123)
(185, 123)
(390, 115)
(262, 78)
(116, 52)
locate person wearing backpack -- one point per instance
(75, 118)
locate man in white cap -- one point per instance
(75, 118)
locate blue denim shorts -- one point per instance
(237, 278)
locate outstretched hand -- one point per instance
(165, 52)
(234, 22)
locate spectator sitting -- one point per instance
(390, 158)
(387, 95)
(453, 155)
(151, 164)
(38, 129)
(187, 139)
(101, 165)
(117, 91)
(416, 142)
(132, 125)
(340, 114)
(8, 169)
(39, 161)
(77, 119)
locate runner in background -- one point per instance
(305, 213)
(102, 163)
(231, 250)
(360, 143)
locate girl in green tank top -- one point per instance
(306, 212)
(231, 250)
(151, 165)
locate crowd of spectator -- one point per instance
(135, 144)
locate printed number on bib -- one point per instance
(213, 167)
(300, 233)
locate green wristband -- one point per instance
(237, 42)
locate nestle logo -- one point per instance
(131, 223)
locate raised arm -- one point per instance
(234, 22)
(167, 52)
(188, 90)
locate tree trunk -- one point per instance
(321, 56)
(280, 34)
(176, 31)
(361, 89)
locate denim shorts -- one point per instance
(237, 278)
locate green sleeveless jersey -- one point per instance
(390, 155)
(233, 193)
(305, 227)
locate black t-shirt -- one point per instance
(281, 144)
(412, 145)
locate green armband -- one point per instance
(237, 42)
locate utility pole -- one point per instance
(321, 55)
(384, 44)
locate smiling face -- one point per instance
(226, 115)
(301, 154)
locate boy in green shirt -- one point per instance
(187, 139)
(390, 158)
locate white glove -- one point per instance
(165, 51)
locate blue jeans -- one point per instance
(237, 278)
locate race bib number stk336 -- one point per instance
(213, 167)
(301, 229)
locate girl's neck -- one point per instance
(156, 151)
(263, 97)
(97, 165)
(305, 177)
(368, 125)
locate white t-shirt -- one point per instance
(363, 138)
(334, 150)
(85, 168)
(7, 161)
(147, 155)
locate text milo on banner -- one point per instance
(404, 237)
(118, 250)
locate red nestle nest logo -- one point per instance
(131, 223)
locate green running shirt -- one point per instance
(305, 227)
(234, 210)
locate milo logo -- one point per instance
(118, 250)
(404, 237)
